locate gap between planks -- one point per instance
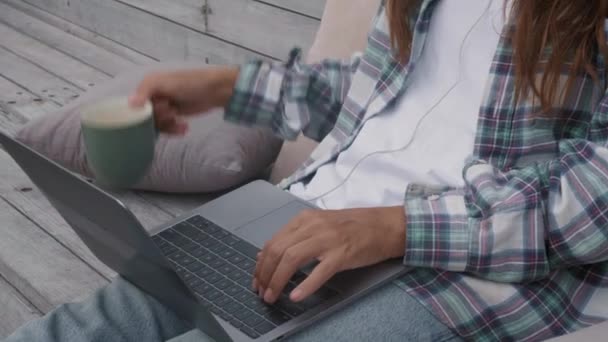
(148, 34)
(265, 29)
(311, 8)
(89, 47)
(43, 270)
(16, 309)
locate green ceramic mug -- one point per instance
(119, 141)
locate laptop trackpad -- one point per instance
(263, 229)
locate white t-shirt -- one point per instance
(444, 139)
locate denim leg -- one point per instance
(388, 314)
(119, 312)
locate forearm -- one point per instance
(518, 225)
(223, 81)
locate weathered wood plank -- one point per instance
(16, 310)
(9, 120)
(86, 46)
(20, 192)
(35, 79)
(41, 268)
(148, 34)
(20, 100)
(51, 60)
(13, 180)
(313, 8)
(257, 26)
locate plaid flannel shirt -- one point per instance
(520, 252)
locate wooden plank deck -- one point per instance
(52, 52)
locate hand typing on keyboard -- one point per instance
(218, 267)
(339, 239)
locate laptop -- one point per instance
(200, 265)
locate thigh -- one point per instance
(121, 312)
(388, 314)
(118, 312)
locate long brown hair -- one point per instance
(548, 36)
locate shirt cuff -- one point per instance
(257, 98)
(438, 231)
(256, 94)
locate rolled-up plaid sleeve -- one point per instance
(292, 98)
(519, 225)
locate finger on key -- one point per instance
(293, 258)
(273, 253)
(319, 276)
(287, 229)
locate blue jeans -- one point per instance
(121, 312)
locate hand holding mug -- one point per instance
(183, 93)
(120, 133)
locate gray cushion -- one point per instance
(213, 156)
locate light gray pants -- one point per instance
(121, 312)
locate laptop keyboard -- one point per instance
(218, 267)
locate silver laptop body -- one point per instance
(249, 215)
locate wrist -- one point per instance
(395, 221)
(224, 82)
